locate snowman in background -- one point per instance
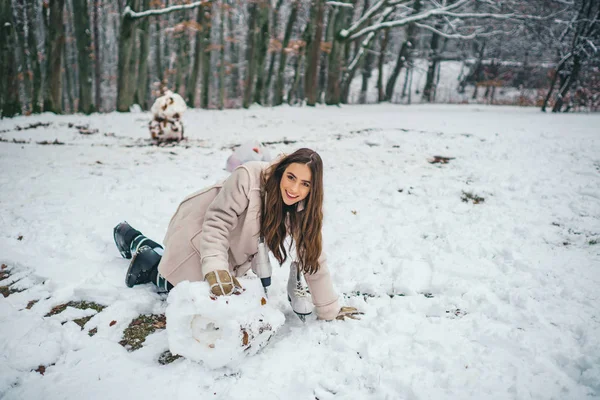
(167, 111)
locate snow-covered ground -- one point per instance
(500, 299)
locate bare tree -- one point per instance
(583, 30)
(206, 55)
(279, 83)
(313, 51)
(9, 87)
(84, 54)
(251, 53)
(55, 42)
(20, 22)
(97, 60)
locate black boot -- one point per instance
(124, 234)
(129, 240)
(143, 267)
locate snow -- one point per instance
(496, 300)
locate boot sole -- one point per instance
(135, 270)
(125, 253)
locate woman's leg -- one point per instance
(129, 240)
(146, 257)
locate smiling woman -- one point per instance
(216, 235)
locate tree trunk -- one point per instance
(350, 53)
(97, 60)
(141, 93)
(327, 47)
(273, 52)
(250, 54)
(84, 54)
(403, 55)
(313, 51)
(206, 54)
(9, 83)
(292, 93)
(133, 59)
(262, 44)
(409, 74)
(68, 104)
(55, 42)
(234, 57)
(382, 48)
(158, 54)
(280, 82)
(221, 100)
(559, 68)
(478, 70)
(125, 75)
(566, 86)
(433, 63)
(198, 50)
(334, 65)
(20, 21)
(70, 97)
(183, 54)
(366, 69)
(34, 58)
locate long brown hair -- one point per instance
(305, 225)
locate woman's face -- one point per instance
(295, 183)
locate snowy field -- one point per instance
(463, 299)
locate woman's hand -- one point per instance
(348, 312)
(222, 283)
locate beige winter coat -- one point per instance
(218, 228)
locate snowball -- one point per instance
(249, 151)
(219, 332)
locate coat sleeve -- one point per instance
(220, 219)
(323, 294)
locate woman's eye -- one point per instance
(290, 177)
(306, 184)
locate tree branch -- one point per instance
(339, 4)
(362, 20)
(351, 33)
(443, 12)
(461, 36)
(128, 12)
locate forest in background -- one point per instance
(67, 56)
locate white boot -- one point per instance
(298, 294)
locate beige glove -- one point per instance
(348, 312)
(222, 283)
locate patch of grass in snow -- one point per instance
(137, 331)
(167, 358)
(31, 304)
(366, 296)
(4, 272)
(82, 305)
(470, 196)
(6, 290)
(593, 242)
